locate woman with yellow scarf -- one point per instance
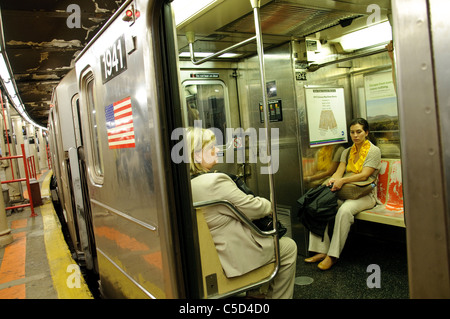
(363, 159)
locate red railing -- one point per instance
(31, 166)
(26, 179)
(49, 160)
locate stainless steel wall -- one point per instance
(293, 129)
(350, 76)
(421, 42)
(287, 179)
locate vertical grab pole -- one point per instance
(33, 214)
(260, 47)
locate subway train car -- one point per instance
(71, 188)
(278, 81)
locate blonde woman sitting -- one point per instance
(240, 251)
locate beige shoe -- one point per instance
(315, 258)
(327, 263)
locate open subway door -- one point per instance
(215, 283)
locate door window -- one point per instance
(206, 101)
(95, 148)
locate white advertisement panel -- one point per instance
(325, 109)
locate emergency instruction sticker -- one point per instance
(119, 124)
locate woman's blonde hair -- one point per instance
(197, 139)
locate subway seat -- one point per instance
(389, 210)
(215, 283)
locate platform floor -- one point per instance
(38, 263)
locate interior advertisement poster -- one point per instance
(325, 108)
(381, 100)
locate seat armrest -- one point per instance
(240, 215)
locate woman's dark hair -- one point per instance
(362, 122)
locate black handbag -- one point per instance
(265, 223)
(317, 208)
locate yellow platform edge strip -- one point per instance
(62, 265)
(45, 188)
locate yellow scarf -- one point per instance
(324, 157)
(357, 167)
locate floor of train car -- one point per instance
(367, 244)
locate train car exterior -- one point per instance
(71, 186)
(130, 188)
(130, 91)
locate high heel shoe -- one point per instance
(315, 258)
(327, 263)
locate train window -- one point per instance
(77, 120)
(96, 157)
(206, 101)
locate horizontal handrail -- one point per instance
(14, 180)
(314, 67)
(190, 37)
(10, 157)
(17, 206)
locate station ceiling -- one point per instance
(41, 46)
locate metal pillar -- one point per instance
(6, 237)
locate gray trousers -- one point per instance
(344, 219)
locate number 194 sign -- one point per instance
(114, 61)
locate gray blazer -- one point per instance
(239, 250)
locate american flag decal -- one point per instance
(119, 124)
